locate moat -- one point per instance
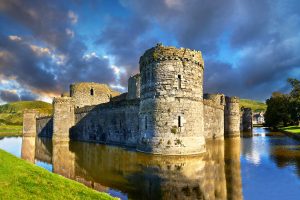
(265, 166)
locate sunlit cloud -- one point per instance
(14, 38)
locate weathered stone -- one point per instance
(29, 123)
(164, 111)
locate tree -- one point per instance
(295, 93)
(294, 102)
(277, 110)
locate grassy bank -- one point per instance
(12, 113)
(256, 106)
(10, 130)
(22, 180)
(292, 129)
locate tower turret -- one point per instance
(232, 117)
(171, 106)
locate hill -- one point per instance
(12, 113)
(256, 106)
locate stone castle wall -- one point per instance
(171, 107)
(246, 120)
(232, 117)
(29, 123)
(44, 126)
(63, 117)
(110, 123)
(164, 111)
(134, 88)
(86, 94)
(213, 119)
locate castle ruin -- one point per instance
(163, 112)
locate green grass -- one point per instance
(12, 113)
(20, 179)
(292, 129)
(256, 106)
(10, 130)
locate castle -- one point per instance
(164, 111)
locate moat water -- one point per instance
(265, 166)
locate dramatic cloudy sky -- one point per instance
(250, 47)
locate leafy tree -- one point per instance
(295, 93)
(277, 110)
(294, 102)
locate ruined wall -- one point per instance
(44, 126)
(134, 87)
(111, 123)
(63, 117)
(171, 108)
(29, 123)
(213, 115)
(89, 93)
(232, 117)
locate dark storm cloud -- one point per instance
(48, 21)
(250, 47)
(262, 36)
(9, 96)
(27, 96)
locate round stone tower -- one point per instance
(171, 106)
(232, 117)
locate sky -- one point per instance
(250, 47)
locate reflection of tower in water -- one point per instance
(233, 168)
(28, 149)
(143, 176)
(63, 160)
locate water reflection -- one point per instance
(28, 149)
(129, 174)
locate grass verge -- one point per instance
(10, 130)
(292, 129)
(22, 180)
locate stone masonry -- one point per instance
(164, 111)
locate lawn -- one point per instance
(20, 179)
(10, 130)
(292, 129)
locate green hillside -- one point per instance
(256, 106)
(12, 113)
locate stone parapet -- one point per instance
(162, 53)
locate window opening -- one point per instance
(146, 122)
(179, 81)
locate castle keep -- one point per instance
(164, 111)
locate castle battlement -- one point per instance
(163, 112)
(61, 100)
(162, 53)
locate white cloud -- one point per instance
(73, 17)
(14, 38)
(70, 33)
